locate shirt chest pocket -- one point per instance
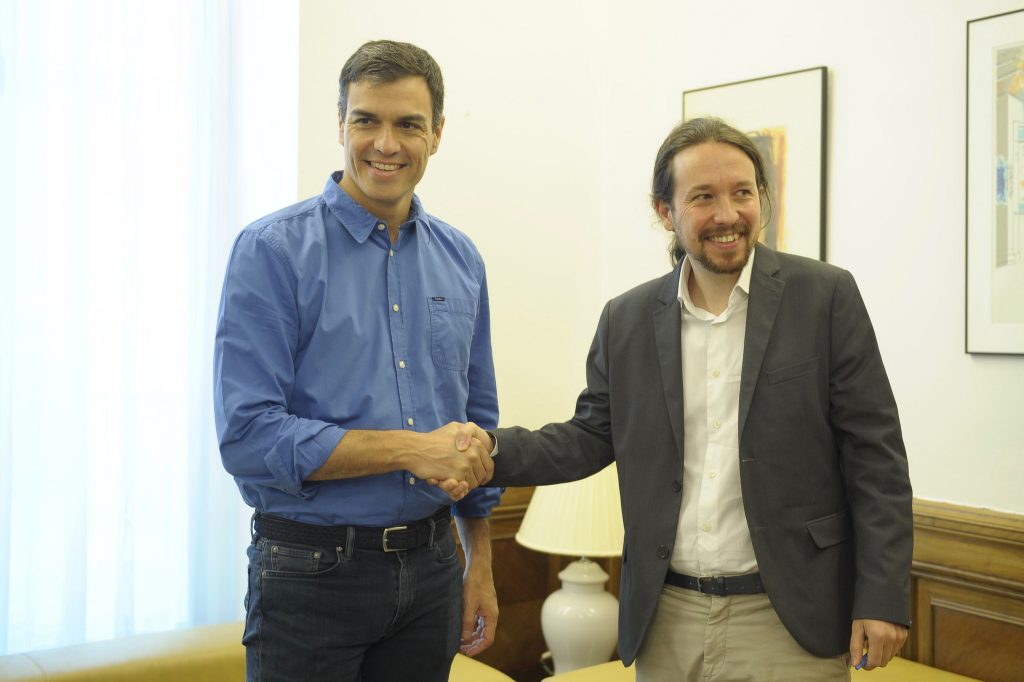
(451, 331)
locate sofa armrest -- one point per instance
(211, 653)
(898, 670)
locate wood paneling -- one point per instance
(968, 582)
(519, 578)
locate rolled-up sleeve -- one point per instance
(482, 405)
(254, 371)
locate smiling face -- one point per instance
(716, 209)
(388, 137)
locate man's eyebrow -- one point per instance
(361, 113)
(707, 186)
(413, 118)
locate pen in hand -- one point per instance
(863, 662)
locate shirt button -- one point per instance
(401, 363)
(712, 474)
(716, 374)
(662, 552)
(716, 424)
(412, 480)
(706, 527)
(391, 252)
(409, 421)
(677, 486)
(395, 307)
(381, 226)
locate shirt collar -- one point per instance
(359, 222)
(742, 284)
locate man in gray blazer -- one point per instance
(763, 476)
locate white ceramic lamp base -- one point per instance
(580, 621)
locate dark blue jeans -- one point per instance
(321, 613)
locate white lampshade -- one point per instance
(582, 518)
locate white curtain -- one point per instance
(136, 139)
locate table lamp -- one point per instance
(581, 519)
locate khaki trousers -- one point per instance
(700, 638)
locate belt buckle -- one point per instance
(716, 582)
(385, 538)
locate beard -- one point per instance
(732, 265)
(729, 268)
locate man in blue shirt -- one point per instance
(354, 330)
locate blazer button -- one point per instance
(676, 486)
(662, 552)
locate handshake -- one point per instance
(456, 458)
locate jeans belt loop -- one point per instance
(350, 542)
(387, 531)
(433, 529)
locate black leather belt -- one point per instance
(389, 539)
(719, 586)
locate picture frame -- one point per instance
(786, 116)
(994, 206)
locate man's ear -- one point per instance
(341, 129)
(664, 211)
(437, 135)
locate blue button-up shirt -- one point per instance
(326, 326)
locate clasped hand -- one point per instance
(457, 459)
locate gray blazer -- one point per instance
(822, 463)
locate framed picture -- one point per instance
(785, 115)
(995, 185)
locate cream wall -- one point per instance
(554, 113)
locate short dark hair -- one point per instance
(690, 134)
(385, 61)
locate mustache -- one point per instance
(740, 228)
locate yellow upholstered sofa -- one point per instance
(898, 670)
(213, 653)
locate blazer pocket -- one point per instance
(781, 374)
(830, 530)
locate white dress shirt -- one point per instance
(712, 537)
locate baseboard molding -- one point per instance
(968, 591)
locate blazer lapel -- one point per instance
(763, 305)
(668, 339)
